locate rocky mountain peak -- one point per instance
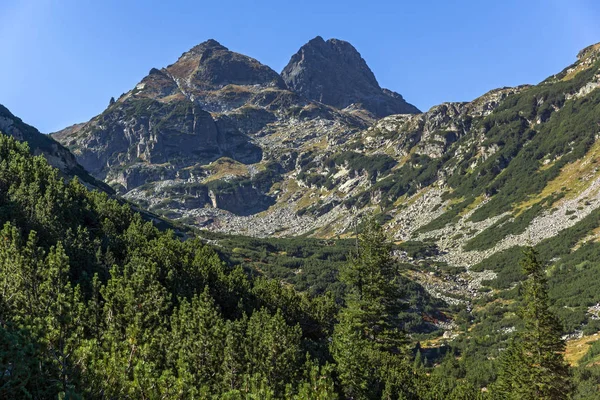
(333, 72)
(211, 66)
(210, 44)
(209, 104)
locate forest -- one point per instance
(97, 302)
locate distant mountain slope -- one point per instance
(57, 155)
(333, 72)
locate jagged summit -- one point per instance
(333, 72)
(210, 66)
(207, 105)
(209, 44)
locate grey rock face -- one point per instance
(432, 132)
(243, 200)
(334, 73)
(147, 131)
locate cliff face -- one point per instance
(141, 132)
(334, 73)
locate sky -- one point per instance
(62, 60)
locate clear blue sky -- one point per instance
(62, 60)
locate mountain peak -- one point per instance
(317, 40)
(333, 72)
(210, 66)
(210, 44)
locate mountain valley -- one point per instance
(273, 178)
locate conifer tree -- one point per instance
(533, 366)
(59, 318)
(273, 348)
(368, 342)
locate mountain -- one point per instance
(334, 73)
(116, 292)
(213, 113)
(218, 140)
(40, 144)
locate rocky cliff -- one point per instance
(334, 73)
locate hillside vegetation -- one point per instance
(97, 303)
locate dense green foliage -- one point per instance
(97, 303)
(313, 266)
(310, 265)
(533, 367)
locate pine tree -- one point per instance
(273, 348)
(60, 317)
(533, 366)
(233, 366)
(368, 343)
(418, 362)
(374, 293)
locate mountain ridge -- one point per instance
(236, 97)
(41, 144)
